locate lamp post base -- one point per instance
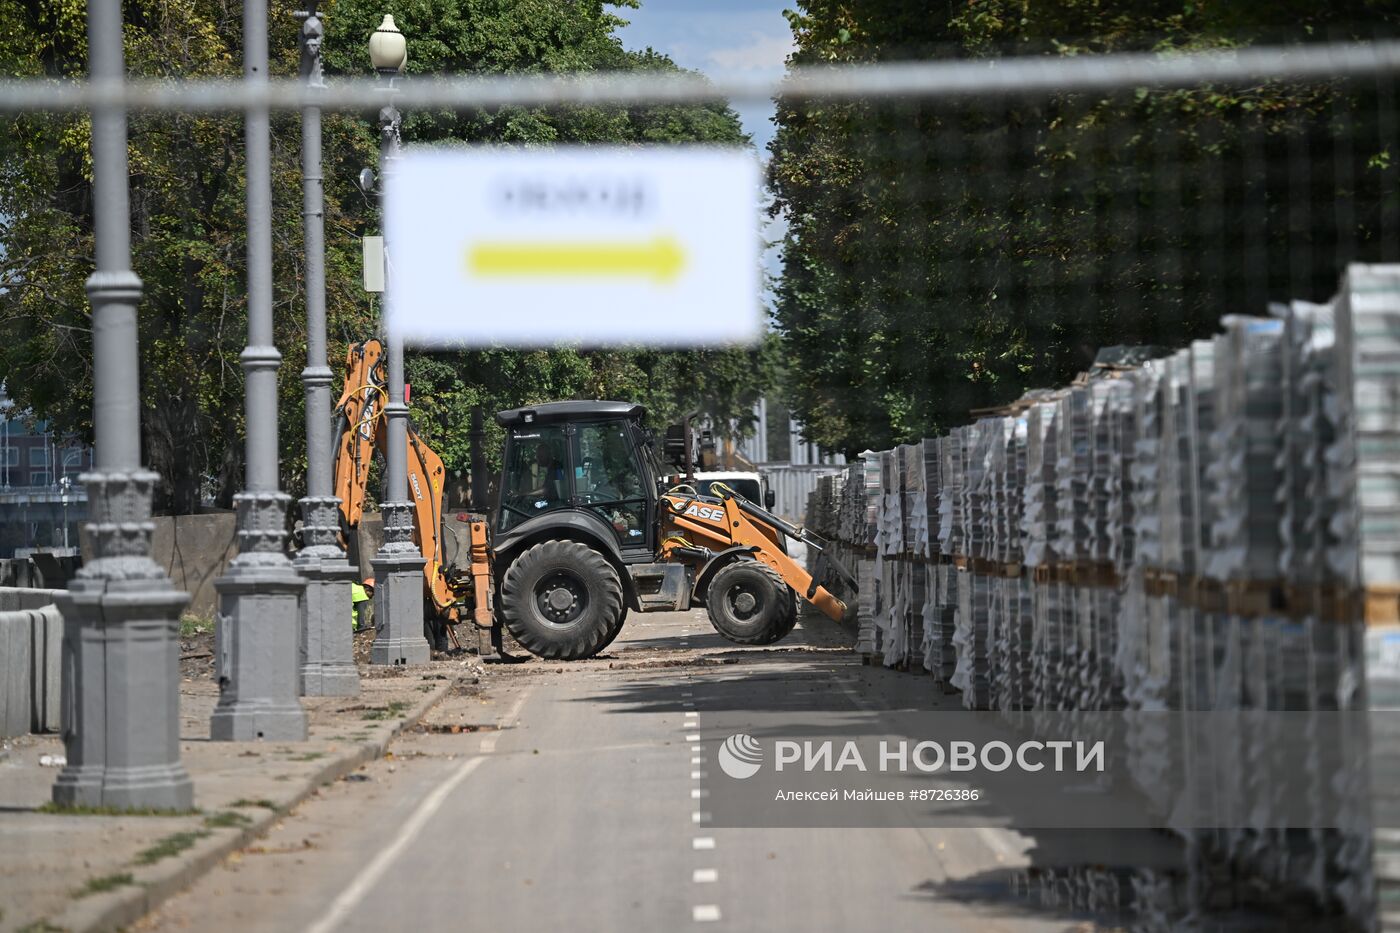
(121, 654)
(326, 643)
(327, 648)
(256, 646)
(398, 610)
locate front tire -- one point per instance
(749, 604)
(562, 601)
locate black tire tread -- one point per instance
(590, 640)
(785, 623)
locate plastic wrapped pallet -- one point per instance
(953, 452)
(1020, 613)
(937, 622)
(974, 677)
(1039, 528)
(1072, 472)
(1366, 542)
(1242, 544)
(1145, 655)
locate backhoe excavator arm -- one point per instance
(362, 430)
(359, 422)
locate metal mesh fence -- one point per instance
(955, 251)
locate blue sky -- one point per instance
(718, 37)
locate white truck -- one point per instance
(752, 486)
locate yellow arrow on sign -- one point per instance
(660, 259)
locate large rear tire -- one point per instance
(617, 630)
(749, 604)
(562, 601)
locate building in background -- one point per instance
(42, 504)
(791, 463)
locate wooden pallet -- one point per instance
(1381, 604)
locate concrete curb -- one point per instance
(153, 885)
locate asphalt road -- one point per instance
(572, 800)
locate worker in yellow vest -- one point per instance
(360, 593)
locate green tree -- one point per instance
(187, 200)
(945, 255)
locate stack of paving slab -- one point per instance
(1210, 530)
(937, 617)
(951, 543)
(1364, 540)
(889, 542)
(1040, 534)
(971, 630)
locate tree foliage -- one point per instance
(944, 255)
(187, 200)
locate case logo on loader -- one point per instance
(710, 513)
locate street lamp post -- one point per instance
(260, 594)
(326, 644)
(121, 648)
(398, 566)
(65, 483)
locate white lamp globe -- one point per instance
(388, 49)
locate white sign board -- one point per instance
(582, 245)
(372, 249)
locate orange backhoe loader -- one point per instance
(448, 583)
(587, 529)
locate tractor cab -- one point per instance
(585, 463)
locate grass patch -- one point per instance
(192, 624)
(61, 810)
(173, 844)
(105, 883)
(309, 756)
(41, 926)
(260, 802)
(392, 711)
(226, 819)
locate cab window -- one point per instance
(536, 480)
(609, 480)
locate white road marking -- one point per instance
(687, 703)
(372, 875)
(705, 913)
(687, 694)
(705, 875)
(699, 817)
(693, 737)
(703, 842)
(690, 714)
(695, 760)
(696, 775)
(696, 793)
